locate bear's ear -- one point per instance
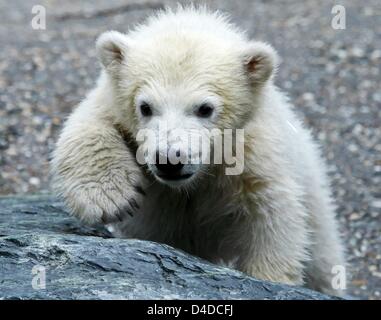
(261, 61)
(111, 48)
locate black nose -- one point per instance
(167, 169)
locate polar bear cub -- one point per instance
(191, 69)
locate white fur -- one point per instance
(275, 221)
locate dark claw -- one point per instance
(104, 220)
(126, 210)
(134, 204)
(107, 220)
(130, 213)
(119, 216)
(140, 190)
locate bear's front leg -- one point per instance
(95, 173)
(277, 237)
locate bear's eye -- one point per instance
(145, 109)
(204, 111)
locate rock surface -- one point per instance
(85, 263)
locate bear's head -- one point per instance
(173, 88)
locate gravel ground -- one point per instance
(333, 77)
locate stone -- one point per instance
(46, 254)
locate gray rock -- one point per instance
(86, 263)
